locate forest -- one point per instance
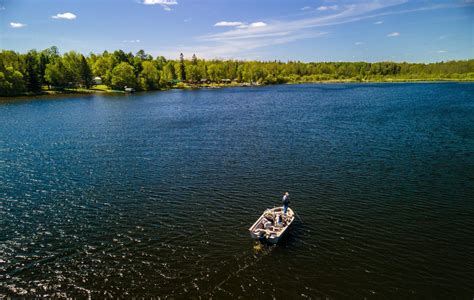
(39, 72)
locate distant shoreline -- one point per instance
(47, 72)
(49, 94)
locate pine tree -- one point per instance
(86, 73)
(33, 82)
(182, 67)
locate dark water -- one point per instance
(152, 194)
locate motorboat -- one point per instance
(272, 225)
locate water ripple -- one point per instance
(152, 194)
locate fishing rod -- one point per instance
(298, 216)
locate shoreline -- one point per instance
(49, 94)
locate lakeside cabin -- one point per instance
(97, 80)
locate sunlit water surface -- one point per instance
(152, 194)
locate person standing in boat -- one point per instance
(286, 202)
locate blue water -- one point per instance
(152, 194)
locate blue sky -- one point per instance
(306, 30)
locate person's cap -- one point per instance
(286, 193)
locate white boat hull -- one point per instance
(268, 228)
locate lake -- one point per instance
(152, 194)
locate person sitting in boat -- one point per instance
(286, 202)
(279, 221)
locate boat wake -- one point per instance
(259, 252)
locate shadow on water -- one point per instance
(292, 236)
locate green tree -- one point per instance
(120, 56)
(169, 72)
(103, 67)
(123, 76)
(47, 56)
(149, 77)
(215, 71)
(143, 56)
(43, 62)
(72, 62)
(11, 82)
(137, 65)
(193, 73)
(86, 73)
(55, 75)
(20, 73)
(160, 62)
(52, 52)
(33, 81)
(182, 67)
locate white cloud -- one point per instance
(254, 25)
(349, 14)
(160, 2)
(378, 22)
(257, 25)
(393, 34)
(131, 41)
(16, 25)
(227, 24)
(441, 51)
(359, 43)
(67, 16)
(332, 7)
(164, 3)
(245, 40)
(306, 8)
(247, 37)
(240, 25)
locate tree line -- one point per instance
(35, 71)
